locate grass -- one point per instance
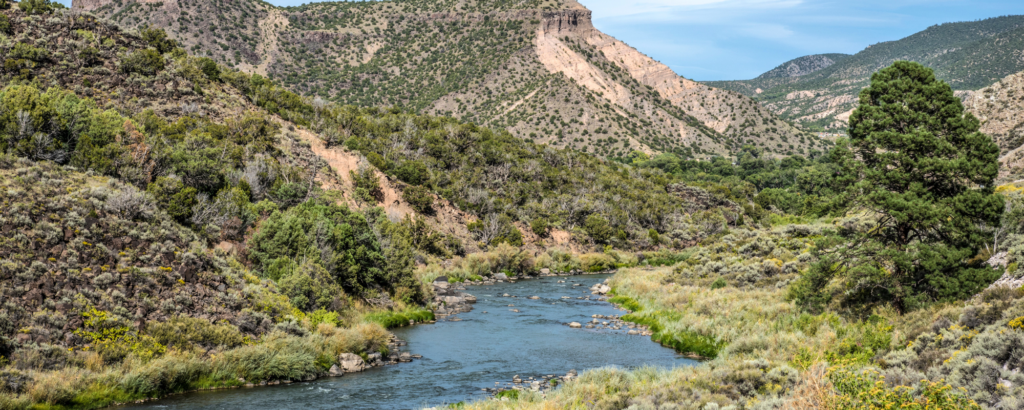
(393, 319)
(762, 351)
(277, 356)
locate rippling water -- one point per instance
(461, 358)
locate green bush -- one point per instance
(38, 6)
(157, 38)
(209, 68)
(419, 198)
(367, 185)
(5, 25)
(598, 229)
(719, 283)
(174, 197)
(146, 62)
(597, 262)
(334, 238)
(539, 227)
(24, 51)
(310, 287)
(413, 172)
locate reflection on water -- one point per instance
(461, 358)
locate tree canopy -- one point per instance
(923, 174)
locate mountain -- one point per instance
(537, 68)
(175, 224)
(999, 107)
(968, 55)
(803, 66)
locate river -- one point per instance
(460, 358)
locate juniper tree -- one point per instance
(924, 174)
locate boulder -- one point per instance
(575, 325)
(351, 363)
(441, 279)
(545, 271)
(500, 276)
(335, 371)
(534, 297)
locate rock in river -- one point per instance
(350, 363)
(575, 325)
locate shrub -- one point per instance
(146, 62)
(367, 185)
(865, 389)
(719, 283)
(598, 229)
(596, 262)
(89, 56)
(413, 172)
(5, 25)
(209, 68)
(114, 340)
(419, 198)
(185, 332)
(36, 6)
(130, 203)
(310, 287)
(157, 38)
(539, 227)
(22, 51)
(174, 197)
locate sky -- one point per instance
(709, 40)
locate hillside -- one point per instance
(999, 108)
(968, 55)
(172, 224)
(537, 68)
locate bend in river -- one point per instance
(462, 358)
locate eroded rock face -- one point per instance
(566, 21)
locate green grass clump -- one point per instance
(627, 302)
(683, 341)
(392, 319)
(510, 394)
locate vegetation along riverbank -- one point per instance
(170, 224)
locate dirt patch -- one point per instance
(446, 218)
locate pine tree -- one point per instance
(924, 175)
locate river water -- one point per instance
(460, 358)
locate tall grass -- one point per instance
(277, 356)
(393, 319)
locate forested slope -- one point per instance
(967, 55)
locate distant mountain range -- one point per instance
(819, 92)
(537, 68)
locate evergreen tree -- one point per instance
(924, 174)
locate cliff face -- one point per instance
(561, 22)
(547, 75)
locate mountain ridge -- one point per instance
(968, 55)
(480, 62)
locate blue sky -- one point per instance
(740, 39)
